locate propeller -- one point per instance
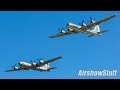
(91, 20)
(82, 23)
(61, 30)
(40, 60)
(14, 67)
(31, 61)
(67, 25)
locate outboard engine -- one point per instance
(41, 61)
(83, 24)
(91, 20)
(15, 67)
(62, 31)
(33, 63)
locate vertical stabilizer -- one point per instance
(96, 29)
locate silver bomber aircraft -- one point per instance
(83, 28)
(40, 66)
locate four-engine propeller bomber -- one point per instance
(40, 66)
(71, 29)
(83, 28)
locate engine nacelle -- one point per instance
(62, 31)
(83, 24)
(41, 61)
(92, 21)
(34, 64)
(16, 68)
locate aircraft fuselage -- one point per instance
(33, 67)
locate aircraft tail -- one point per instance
(49, 68)
(100, 33)
(47, 65)
(96, 29)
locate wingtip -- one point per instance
(51, 37)
(115, 14)
(6, 71)
(60, 57)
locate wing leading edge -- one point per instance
(52, 60)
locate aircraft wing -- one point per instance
(52, 60)
(100, 21)
(11, 70)
(61, 34)
(16, 69)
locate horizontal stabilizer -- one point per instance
(53, 68)
(104, 31)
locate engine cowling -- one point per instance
(34, 64)
(83, 24)
(62, 31)
(16, 68)
(91, 20)
(41, 61)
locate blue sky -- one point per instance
(24, 37)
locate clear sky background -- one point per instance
(24, 37)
